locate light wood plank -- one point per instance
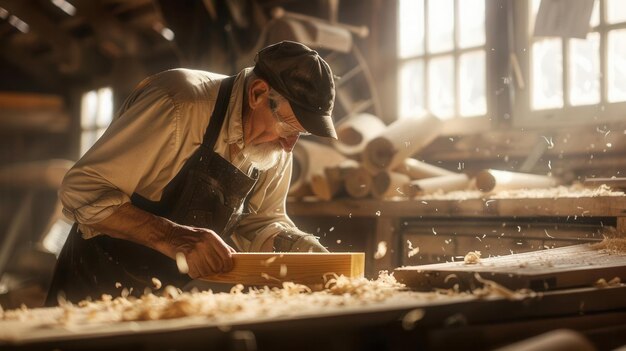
(565, 267)
(304, 268)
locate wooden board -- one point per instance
(565, 267)
(304, 268)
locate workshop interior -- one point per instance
(474, 197)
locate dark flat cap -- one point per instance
(301, 76)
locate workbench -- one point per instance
(460, 322)
(528, 223)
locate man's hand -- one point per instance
(205, 251)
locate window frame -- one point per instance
(457, 124)
(567, 115)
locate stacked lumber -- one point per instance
(371, 160)
(33, 112)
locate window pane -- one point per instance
(616, 11)
(105, 107)
(547, 74)
(411, 28)
(88, 108)
(471, 23)
(87, 139)
(441, 86)
(411, 88)
(440, 25)
(472, 84)
(584, 70)
(595, 15)
(617, 65)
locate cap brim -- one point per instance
(316, 124)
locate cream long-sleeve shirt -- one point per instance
(157, 130)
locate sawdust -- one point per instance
(573, 191)
(472, 257)
(381, 250)
(491, 288)
(611, 245)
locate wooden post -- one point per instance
(419, 170)
(492, 181)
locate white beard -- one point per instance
(263, 156)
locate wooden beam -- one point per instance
(67, 49)
(304, 268)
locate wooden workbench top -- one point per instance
(597, 206)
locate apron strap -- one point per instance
(219, 113)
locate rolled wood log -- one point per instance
(358, 183)
(493, 181)
(398, 141)
(419, 170)
(310, 158)
(353, 133)
(328, 185)
(444, 183)
(389, 184)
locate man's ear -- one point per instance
(256, 92)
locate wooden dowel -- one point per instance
(492, 181)
(332, 182)
(356, 131)
(358, 183)
(389, 184)
(400, 140)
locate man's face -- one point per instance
(273, 129)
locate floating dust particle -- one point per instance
(269, 277)
(381, 250)
(548, 235)
(434, 232)
(283, 270)
(612, 245)
(409, 319)
(157, 283)
(602, 283)
(338, 241)
(269, 261)
(472, 257)
(181, 263)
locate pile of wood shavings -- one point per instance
(573, 191)
(611, 245)
(224, 308)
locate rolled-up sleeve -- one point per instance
(132, 151)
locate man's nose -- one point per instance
(288, 143)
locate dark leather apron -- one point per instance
(208, 192)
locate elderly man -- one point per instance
(194, 164)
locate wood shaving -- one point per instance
(412, 250)
(491, 288)
(409, 319)
(381, 250)
(602, 283)
(157, 283)
(269, 261)
(283, 271)
(472, 257)
(181, 263)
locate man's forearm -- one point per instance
(134, 224)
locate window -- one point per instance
(96, 115)
(441, 58)
(576, 80)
